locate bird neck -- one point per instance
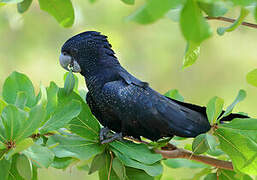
(100, 76)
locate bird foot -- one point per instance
(116, 136)
(104, 133)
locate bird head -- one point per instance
(86, 52)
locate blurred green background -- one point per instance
(30, 43)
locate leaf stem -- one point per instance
(230, 20)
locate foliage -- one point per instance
(32, 136)
(55, 128)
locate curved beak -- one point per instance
(67, 62)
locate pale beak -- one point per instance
(67, 62)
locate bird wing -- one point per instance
(150, 113)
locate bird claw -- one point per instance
(104, 133)
(116, 136)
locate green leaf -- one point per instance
(2, 105)
(201, 173)
(193, 25)
(73, 146)
(15, 83)
(244, 12)
(62, 163)
(174, 94)
(63, 115)
(213, 9)
(255, 13)
(183, 163)
(119, 168)
(153, 169)
(199, 144)
(52, 100)
(69, 83)
(214, 109)
(40, 155)
(240, 97)
(243, 2)
(5, 166)
(153, 10)
(12, 119)
(24, 166)
(21, 146)
(97, 163)
(107, 172)
(21, 100)
(191, 55)
(211, 176)
(211, 141)
(130, 2)
(138, 152)
(84, 125)
(239, 140)
(251, 77)
(13, 172)
(36, 116)
(61, 10)
(43, 96)
(23, 6)
(137, 174)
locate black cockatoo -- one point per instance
(123, 103)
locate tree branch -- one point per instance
(231, 21)
(175, 152)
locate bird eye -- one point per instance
(64, 53)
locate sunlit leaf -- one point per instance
(174, 94)
(61, 10)
(239, 140)
(214, 109)
(193, 25)
(252, 77)
(240, 97)
(52, 100)
(36, 116)
(153, 10)
(84, 125)
(63, 115)
(21, 146)
(15, 83)
(2, 105)
(69, 83)
(12, 119)
(191, 55)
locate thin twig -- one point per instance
(181, 153)
(110, 168)
(231, 21)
